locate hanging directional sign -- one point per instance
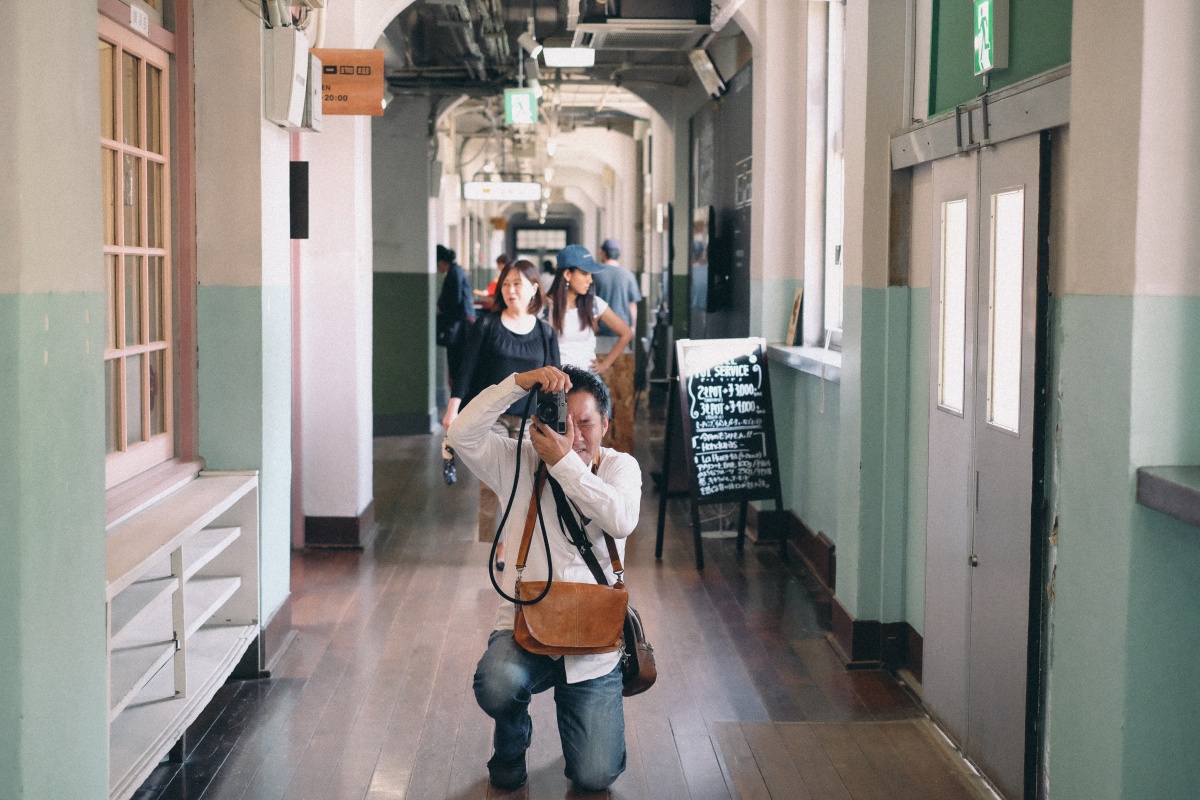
(520, 107)
(991, 35)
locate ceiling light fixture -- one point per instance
(558, 57)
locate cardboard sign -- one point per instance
(352, 81)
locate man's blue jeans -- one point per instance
(591, 717)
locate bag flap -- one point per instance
(579, 615)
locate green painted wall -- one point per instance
(873, 455)
(1125, 646)
(403, 342)
(1163, 647)
(52, 631)
(807, 415)
(244, 380)
(1039, 40)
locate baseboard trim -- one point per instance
(816, 550)
(870, 644)
(276, 635)
(341, 533)
(411, 423)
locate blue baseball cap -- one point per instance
(576, 256)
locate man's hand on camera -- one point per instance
(548, 443)
(552, 380)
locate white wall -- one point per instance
(336, 310)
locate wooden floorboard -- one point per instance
(373, 697)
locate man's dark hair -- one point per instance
(584, 381)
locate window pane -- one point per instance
(133, 400)
(1007, 279)
(153, 109)
(155, 299)
(112, 274)
(154, 199)
(158, 378)
(108, 98)
(112, 402)
(130, 129)
(132, 173)
(953, 305)
(133, 300)
(108, 163)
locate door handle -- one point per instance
(973, 560)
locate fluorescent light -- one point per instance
(569, 56)
(513, 191)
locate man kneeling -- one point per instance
(604, 486)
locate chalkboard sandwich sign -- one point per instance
(728, 428)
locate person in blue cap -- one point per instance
(617, 286)
(576, 311)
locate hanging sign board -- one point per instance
(508, 191)
(352, 82)
(520, 107)
(728, 425)
(991, 35)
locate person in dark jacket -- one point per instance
(455, 310)
(510, 341)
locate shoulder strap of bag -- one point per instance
(579, 538)
(531, 517)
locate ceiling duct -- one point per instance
(641, 24)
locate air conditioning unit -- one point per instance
(312, 119)
(641, 24)
(285, 75)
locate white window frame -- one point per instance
(825, 162)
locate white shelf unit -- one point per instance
(183, 607)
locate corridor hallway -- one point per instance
(373, 697)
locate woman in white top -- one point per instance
(576, 312)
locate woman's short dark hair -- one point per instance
(529, 270)
(584, 381)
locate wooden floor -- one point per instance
(373, 697)
(899, 760)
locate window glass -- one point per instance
(112, 401)
(952, 316)
(131, 129)
(108, 97)
(154, 125)
(158, 416)
(1004, 332)
(154, 198)
(133, 300)
(154, 298)
(133, 400)
(112, 274)
(132, 211)
(108, 170)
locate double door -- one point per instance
(981, 475)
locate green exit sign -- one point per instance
(520, 107)
(991, 35)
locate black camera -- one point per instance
(552, 410)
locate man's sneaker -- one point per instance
(507, 774)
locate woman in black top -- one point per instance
(513, 340)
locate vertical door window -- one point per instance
(952, 316)
(1004, 309)
(135, 167)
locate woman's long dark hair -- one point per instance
(583, 302)
(530, 272)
